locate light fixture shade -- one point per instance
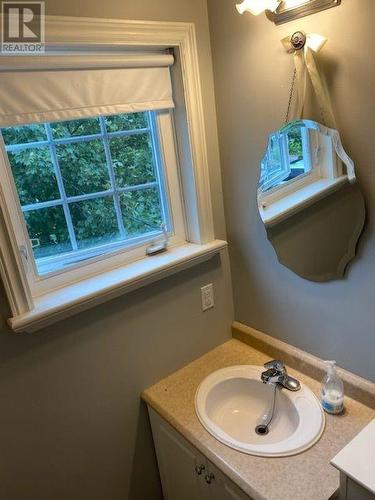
(256, 7)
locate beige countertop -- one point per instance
(307, 476)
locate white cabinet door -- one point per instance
(221, 487)
(182, 468)
(185, 473)
(355, 491)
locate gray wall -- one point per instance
(71, 423)
(252, 78)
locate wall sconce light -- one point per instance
(282, 11)
(256, 7)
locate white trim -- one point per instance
(12, 271)
(84, 34)
(307, 195)
(61, 304)
(198, 147)
(14, 264)
(169, 156)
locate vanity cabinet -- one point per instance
(185, 473)
(351, 490)
(356, 465)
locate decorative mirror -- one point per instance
(309, 201)
(308, 197)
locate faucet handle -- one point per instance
(275, 364)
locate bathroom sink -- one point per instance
(230, 404)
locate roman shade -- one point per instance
(56, 88)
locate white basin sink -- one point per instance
(230, 402)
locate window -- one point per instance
(91, 157)
(98, 152)
(287, 157)
(92, 193)
(88, 186)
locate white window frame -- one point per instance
(284, 158)
(38, 305)
(99, 259)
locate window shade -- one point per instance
(64, 88)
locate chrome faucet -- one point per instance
(276, 374)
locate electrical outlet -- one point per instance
(207, 295)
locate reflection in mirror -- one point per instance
(306, 175)
(287, 156)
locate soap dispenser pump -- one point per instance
(332, 391)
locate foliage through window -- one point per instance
(89, 185)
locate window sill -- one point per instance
(309, 194)
(67, 301)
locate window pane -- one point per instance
(83, 167)
(141, 211)
(295, 148)
(287, 157)
(94, 222)
(48, 231)
(298, 163)
(274, 167)
(86, 171)
(73, 128)
(24, 134)
(34, 175)
(130, 121)
(132, 159)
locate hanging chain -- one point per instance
(322, 116)
(291, 95)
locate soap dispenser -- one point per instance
(332, 391)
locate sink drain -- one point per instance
(262, 430)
